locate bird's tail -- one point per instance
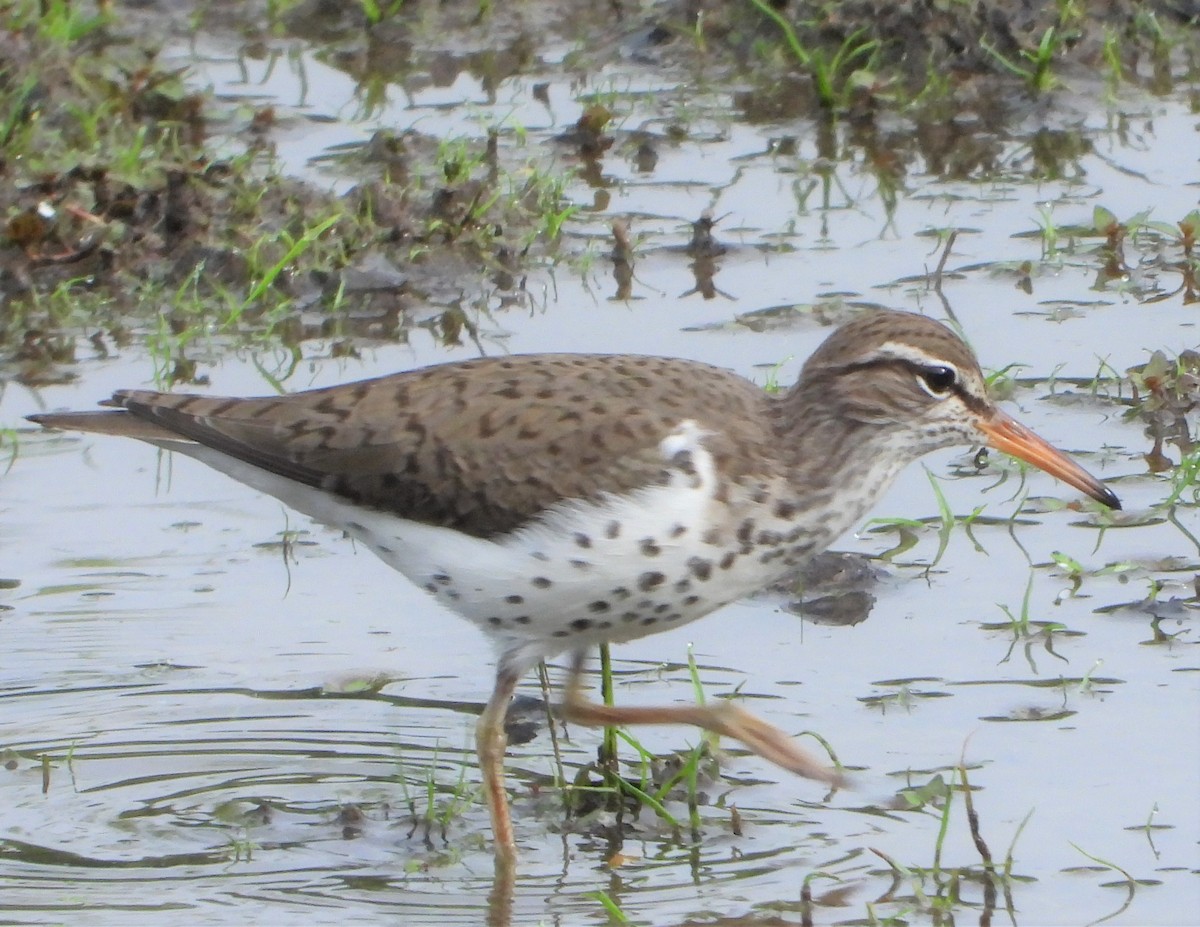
(105, 423)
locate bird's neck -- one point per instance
(835, 465)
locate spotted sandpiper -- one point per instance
(559, 501)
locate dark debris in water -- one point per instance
(525, 720)
(832, 589)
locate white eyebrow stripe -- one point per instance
(898, 350)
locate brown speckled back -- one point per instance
(486, 445)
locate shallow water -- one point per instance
(186, 678)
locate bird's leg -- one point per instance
(490, 743)
(725, 719)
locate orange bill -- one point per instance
(1007, 434)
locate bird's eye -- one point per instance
(937, 381)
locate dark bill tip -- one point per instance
(1007, 434)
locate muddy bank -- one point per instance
(135, 201)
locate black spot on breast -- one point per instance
(598, 606)
(700, 568)
(581, 624)
(514, 599)
(648, 581)
(541, 582)
(582, 540)
(649, 547)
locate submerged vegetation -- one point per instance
(124, 212)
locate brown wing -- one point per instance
(482, 446)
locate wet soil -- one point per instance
(200, 204)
